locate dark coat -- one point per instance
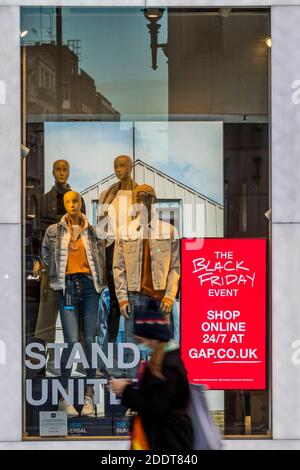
(48, 210)
(162, 405)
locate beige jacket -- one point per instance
(165, 256)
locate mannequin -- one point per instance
(146, 265)
(74, 259)
(50, 210)
(51, 207)
(123, 169)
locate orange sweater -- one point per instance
(77, 259)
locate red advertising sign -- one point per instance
(223, 312)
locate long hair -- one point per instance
(156, 360)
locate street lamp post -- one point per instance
(153, 15)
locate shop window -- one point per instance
(191, 110)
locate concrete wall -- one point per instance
(10, 227)
(286, 221)
(150, 3)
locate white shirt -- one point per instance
(118, 215)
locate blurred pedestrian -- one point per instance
(161, 396)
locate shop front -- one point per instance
(174, 103)
(180, 98)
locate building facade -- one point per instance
(172, 198)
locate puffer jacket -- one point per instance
(55, 253)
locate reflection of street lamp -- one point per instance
(24, 33)
(153, 15)
(24, 151)
(268, 42)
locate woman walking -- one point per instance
(162, 394)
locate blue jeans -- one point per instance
(103, 314)
(83, 311)
(175, 323)
(135, 300)
(107, 308)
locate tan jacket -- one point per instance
(165, 259)
(108, 195)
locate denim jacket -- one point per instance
(165, 259)
(55, 253)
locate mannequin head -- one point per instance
(61, 171)
(123, 167)
(73, 203)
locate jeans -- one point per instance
(113, 317)
(114, 312)
(103, 314)
(105, 310)
(175, 323)
(84, 311)
(135, 298)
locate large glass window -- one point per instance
(185, 94)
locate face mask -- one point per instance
(145, 350)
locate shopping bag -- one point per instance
(206, 434)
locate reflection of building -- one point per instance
(104, 106)
(41, 79)
(35, 175)
(218, 65)
(177, 203)
(246, 166)
(56, 84)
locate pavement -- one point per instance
(237, 444)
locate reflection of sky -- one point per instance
(189, 152)
(115, 51)
(89, 147)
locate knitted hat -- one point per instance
(149, 323)
(145, 188)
